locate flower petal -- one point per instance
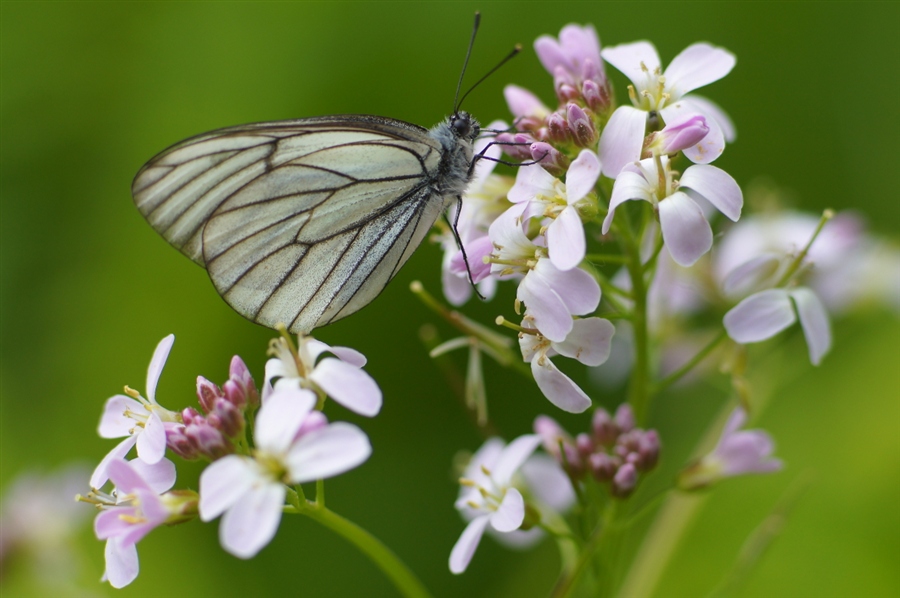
(122, 565)
(717, 187)
(713, 143)
(548, 482)
(582, 176)
(630, 185)
(114, 423)
(751, 274)
(578, 290)
(551, 316)
(465, 547)
(251, 523)
(279, 419)
(101, 472)
(760, 316)
(634, 60)
(151, 442)
(589, 342)
(697, 65)
(814, 321)
(511, 512)
(685, 231)
(559, 388)
(350, 386)
(622, 139)
(712, 110)
(327, 452)
(512, 457)
(224, 482)
(522, 102)
(158, 477)
(156, 365)
(580, 44)
(565, 239)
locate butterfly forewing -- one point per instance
(297, 222)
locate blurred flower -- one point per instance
(342, 379)
(661, 92)
(588, 342)
(765, 314)
(38, 523)
(293, 445)
(487, 495)
(140, 419)
(738, 452)
(685, 229)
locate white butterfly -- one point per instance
(304, 222)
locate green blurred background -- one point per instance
(91, 90)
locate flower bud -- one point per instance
(584, 445)
(240, 376)
(521, 151)
(557, 128)
(208, 441)
(596, 96)
(230, 419)
(549, 158)
(679, 137)
(649, 450)
(188, 415)
(603, 467)
(605, 431)
(624, 481)
(625, 417)
(207, 393)
(178, 442)
(581, 125)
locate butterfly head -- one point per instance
(464, 126)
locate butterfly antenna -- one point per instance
(515, 50)
(466, 63)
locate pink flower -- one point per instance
(575, 63)
(685, 230)
(663, 93)
(738, 452)
(137, 510)
(140, 420)
(293, 445)
(548, 197)
(588, 342)
(487, 495)
(340, 377)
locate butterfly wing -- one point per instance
(297, 222)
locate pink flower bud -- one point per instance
(230, 419)
(625, 417)
(624, 481)
(549, 157)
(581, 125)
(603, 467)
(207, 393)
(596, 96)
(188, 415)
(679, 137)
(557, 128)
(178, 443)
(584, 445)
(240, 376)
(605, 431)
(516, 152)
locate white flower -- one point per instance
(765, 314)
(487, 495)
(251, 491)
(685, 230)
(551, 295)
(342, 379)
(588, 342)
(663, 93)
(548, 197)
(139, 419)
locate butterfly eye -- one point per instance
(462, 125)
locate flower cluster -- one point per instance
(247, 482)
(614, 452)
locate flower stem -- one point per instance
(638, 392)
(394, 569)
(677, 374)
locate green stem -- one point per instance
(677, 374)
(567, 584)
(394, 569)
(638, 393)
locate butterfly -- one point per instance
(303, 222)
